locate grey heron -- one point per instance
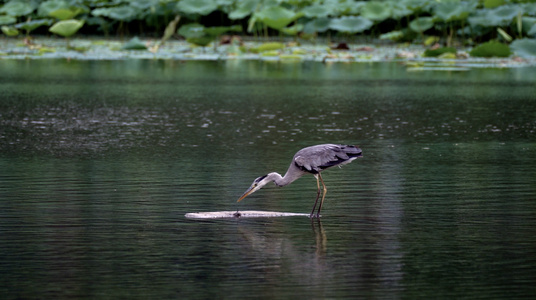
(312, 160)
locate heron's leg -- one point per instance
(317, 195)
(323, 195)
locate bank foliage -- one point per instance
(452, 21)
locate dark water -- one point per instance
(99, 162)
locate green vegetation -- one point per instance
(439, 51)
(455, 22)
(491, 49)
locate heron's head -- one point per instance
(257, 184)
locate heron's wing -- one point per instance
(317, 158)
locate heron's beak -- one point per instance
(247, 193)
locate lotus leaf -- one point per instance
(346, 7)
(439, 51)
(193, 30)
(452, 11)
(143, 4)
(317, 25)
(524, 47)
(120, 13)
(18, 8)
(399, 10)
(317, 11)
(415, 4)
(376, 11)
(200, 41)
(532, 30)
(31, 25)
(66, 28)
(44, 50)
(225, 2)
(493, 3)
(201, 7)
(350, 24)
(65, 13)
(268, 47)
(293, 30)
(393, 35)
(47, 7)
(276, 17)
(503, 15)
(6, 20)
(270, 53)
(134, 44)
(481, 19)
(530, 9)
(219, 30)
(10, 31)
(244, 9)
(491, 49)
(421, 24)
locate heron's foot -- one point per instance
(237, 214)
(317, 215)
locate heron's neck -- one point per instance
(281, 180)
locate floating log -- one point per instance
(241, 214)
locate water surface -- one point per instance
(101, 160)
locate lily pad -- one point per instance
(503, 15)
(392, 35)
(454, 11)
(47, 7)
(193, 30)
(143, 4)
(134, 44)
(350, 24)
(399, 10)
(18, 8)
(345, 8)
(439, 51)
(66, 28)
(317, 25)
(200, 41)
(532, 30)
(10, 31)
(65, 13)
(31, 25)
(491, 49)
(243, 9)
(276, 17)
(376, 11)
(201, 7)
(317, 11)
(219, 30)
(6, 20)
(293, 30)
(120, 13)
(421, 24)
(202, 36)
(416, 4)
(268, 47)
(524, 47)
(493, 3)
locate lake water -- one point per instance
(101, 160)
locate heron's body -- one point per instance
(312, 160)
